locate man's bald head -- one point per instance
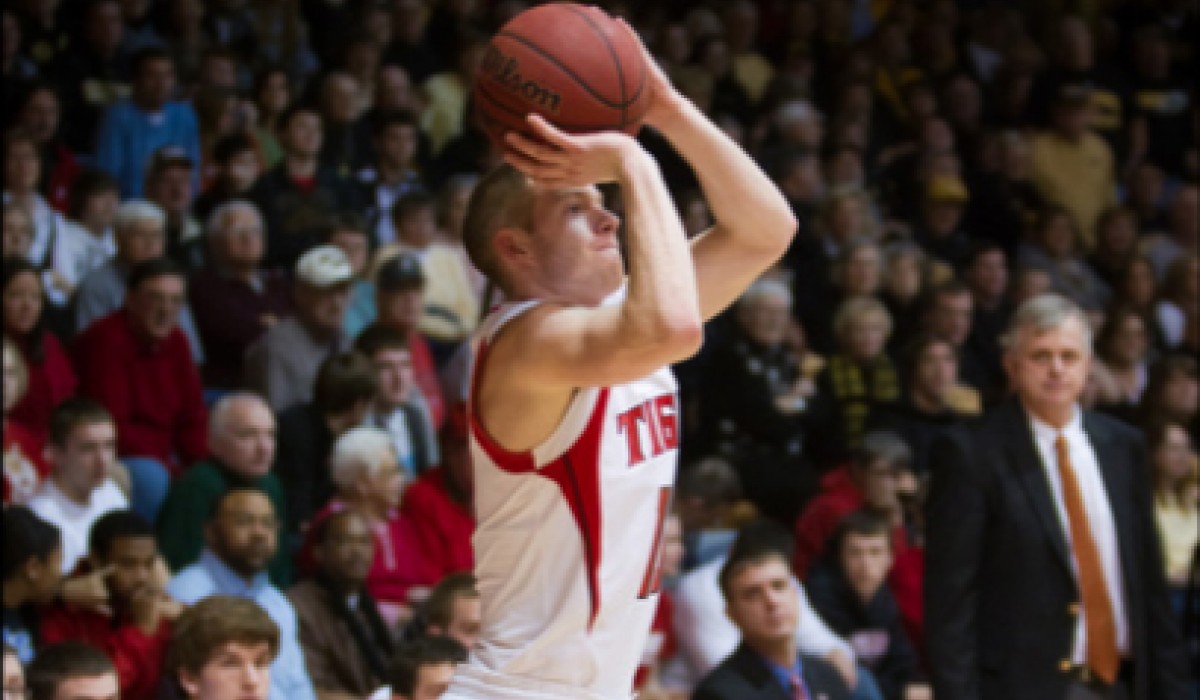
(241, 434)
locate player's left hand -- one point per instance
(664, 98)
(555, 158)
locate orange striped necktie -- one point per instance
(1102, 656)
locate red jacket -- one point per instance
(152, 390)
(839, 497)
(50, 381)
(443, 526)
(137, 656)
(400, 562)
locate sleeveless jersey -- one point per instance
(567, 543)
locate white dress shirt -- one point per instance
(1100, 519)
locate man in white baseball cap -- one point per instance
(283, 364)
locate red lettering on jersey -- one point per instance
(627, 423)
(662, 424)
(668, 420)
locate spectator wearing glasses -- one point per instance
(136, 362)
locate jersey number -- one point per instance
(652, 579)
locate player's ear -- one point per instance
(512, 244)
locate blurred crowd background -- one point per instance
(236, 303)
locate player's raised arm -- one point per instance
(754, 223)
(568, 344)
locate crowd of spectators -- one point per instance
(236, 307)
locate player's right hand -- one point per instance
(558, 159)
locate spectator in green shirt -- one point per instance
(241, 443)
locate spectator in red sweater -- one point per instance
(877, 474)
(369, 480)
(24, 467)
(439, 502)
(136, 632)
(51, 378)
(137, 363)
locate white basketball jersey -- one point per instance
(567, 541)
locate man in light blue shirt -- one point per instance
(135, 127)
(241, 540)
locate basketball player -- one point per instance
(573, 413)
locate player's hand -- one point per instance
(664, 98)
(555, 158)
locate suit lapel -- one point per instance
(755, 671)
(1026, 464)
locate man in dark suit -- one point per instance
(764, 603)
(1044, 579)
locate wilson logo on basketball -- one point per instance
(507, 72)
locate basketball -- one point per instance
(573, 64)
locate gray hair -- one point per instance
(765, 287)
(218, 415)
(359, 452)
(136, 211)
(883, 446)
(1043, 313)
(215, 225)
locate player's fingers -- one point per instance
(534, 149)
(531, 166)
(550, 133)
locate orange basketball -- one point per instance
(573, 64)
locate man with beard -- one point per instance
(242, 536)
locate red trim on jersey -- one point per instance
(577, 475)
(511, 462)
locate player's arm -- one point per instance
(754, 223)
(659, 320)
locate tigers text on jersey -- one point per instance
(567, 544)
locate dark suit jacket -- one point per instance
(743, 675)
(999, 587)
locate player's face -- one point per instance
(236, 671)
(763, 601)
(578, 253)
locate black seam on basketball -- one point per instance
(612, 54)
(550, 57)
(483, 92)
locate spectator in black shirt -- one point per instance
(237, 162)
(939, 229)
(342, 395)
(933, 399)
(297, 196)
(849, 594)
